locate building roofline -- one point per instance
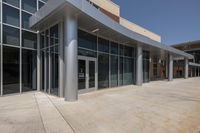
(186, 43)
(83, 7)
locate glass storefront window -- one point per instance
(25, 20)
(86, 40)
(10, 35)
(128, 71)
(10, 15)
(29, 70)
(114, 48)
(10, 70)
(12, 2)
(128, 51)
(29, 5)
(103, 45)
(103, 71)
(29, 39)
(114, 71)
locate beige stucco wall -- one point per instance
(138, 29)
(108, 6)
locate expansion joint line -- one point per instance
(39, 112)
(61, 114)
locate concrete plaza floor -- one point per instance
(156, 107)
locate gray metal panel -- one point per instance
(83, 7)
(194, 64)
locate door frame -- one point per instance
(87, 89)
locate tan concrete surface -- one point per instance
(156, 107)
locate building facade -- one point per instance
(192, 48)
(67, 47)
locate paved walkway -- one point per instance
(156, 107)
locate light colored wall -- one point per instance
(138, 29)
(108, 6)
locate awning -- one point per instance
(90, 18)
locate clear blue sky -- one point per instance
(175, 20)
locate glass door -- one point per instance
(87, 74)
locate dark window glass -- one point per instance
(84, 52)
(121, 50)
(114, 48)
(103, 45)
(103, 71)
(44, 0)
(128, 71)
(81, 74)
(12, 2)
(10, 35)
(29, 70)
(114, 71)
(42, 38)
(121, 67)
(25, 20)
(43, 70)
(54, 35)
(47, 38)
(29, 5)
(41, 4)
(86, 40)
(10, 70)
(10, 15)
(29, 39)
(54, 70)
(128, 51)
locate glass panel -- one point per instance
(41, 4)
(42, 38)
(128, 51)
(29, 70)
(10, 70)
(103, 45)
(121, 67)
(10, 35)
(29, 39)
(29, 5)
(10, 15)
(12, 2)
(91, 74)
(81, 74)
(47, 70)
(43, 69)
(47, 38)
(145, 70)
(114, 48)
(103, 71)
(121, 50)
(128, 71)
(86, 40)
(54, 71)
(114, 71)
(54, 35)
(25, 20)
(84, 52)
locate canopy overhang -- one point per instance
(90, 18)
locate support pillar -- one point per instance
(170, 72)
(61, 61)
(186, 68)
(70, 57)
(139, 66)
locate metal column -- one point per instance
(186, 68)
(70, 57)
(139, 66)
(170, 76)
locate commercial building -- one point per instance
(193, 48)
(67, 47)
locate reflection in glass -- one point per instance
(128, 71)
(114, 71)
(10, 15)
(29, 5)
(10, 70)
(29, 39)
(25, 20)
(121, 67)
(12, 2)
(103, 71)
(91, 74)
(10, 35)
(103, 45)
(81, 74)
(29, 70)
